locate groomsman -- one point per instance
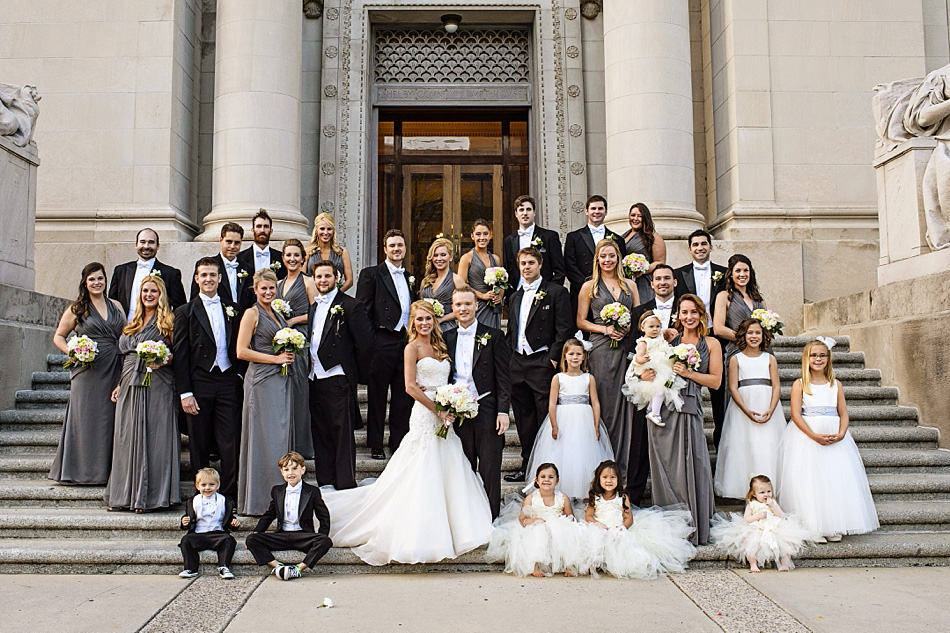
(548, 242)
(539, 321)
(234, 277)
(340, 334)
(704, 279)
(480, 360)
(127, 278)
(386, 292)
(208, 374)
(579, 246)
(663, 304)
(260, 255)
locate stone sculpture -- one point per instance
(18, 112)
(920, 107)
(313, 9)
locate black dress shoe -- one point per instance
(378, 453)
(518, 476)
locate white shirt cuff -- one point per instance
(187, 395)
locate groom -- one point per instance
(480, 360)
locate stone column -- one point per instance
(257, 94)
(648, 89)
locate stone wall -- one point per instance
(18, 204)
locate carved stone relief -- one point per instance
(330, 92)
(574, 90)
(332, 51)
(575, 130)
(573, 52)
(18, 112)
(313, 9)
(590, 9)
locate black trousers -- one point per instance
(530, 390)
(193, 543)
(313, 544)
(333, 415)
(638, 464)
(387, 377)
(718, 398)
(220, 397)
(484, 447)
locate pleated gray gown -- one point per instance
(634, 244)
(266, 429)
(147, 450)
(443, 294)
(679, 460)
(299, 302)
(608, 366)
(84, 455)
(484, 312)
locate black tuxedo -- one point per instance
(219, 394)
(221, 541)
(120, 288)
(552, 266)
(377, 292)
(246, 259)
(334, 412)
(686, 283)
(316, 543)
(550, 323)
(224, 288)
(579, 258)
(480, 440)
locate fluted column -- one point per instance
(650, 155)
(257, 94)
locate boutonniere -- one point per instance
(229, 312)
(717, 276)
(482, 340)
(242, 274)
(155, 272)
(537, 242)
(337, 310)
(275, 266)
(412, 280)
(539, 296)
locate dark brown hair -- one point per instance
(393, 233)
(481, 222)
(543, 467)
(596, 490)
(648, 229)
(703, 315)
(752, 287)
(80, 307)
(293, 457)
(525, 198)
(324, 263)
(207, 261)
(744, 326)
(262, 214)
(595, 198)
(532, 252)
(232, 227)
(758, 479)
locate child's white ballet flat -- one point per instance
(821, 540)
(834, 538)
(656, 419)
(188, 574)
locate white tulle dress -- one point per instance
(426, 506)
(826, 486)
(642, 392)
(655, 544)
(749, 448)
(766, 540)
(576, 452)
(557, 545)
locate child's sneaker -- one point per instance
(655, 418)
(289, 572)
(225, 573)
(188, 574)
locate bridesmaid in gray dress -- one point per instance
(608, 364)
(440, 282)
(84, 455)
(739, 297)
(146, 451)
(680, 472)
(266, 430)
(298, 290)
(323, 245)
(472, 266)
(642, 238)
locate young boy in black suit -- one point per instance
(209, 519)
(293, 505)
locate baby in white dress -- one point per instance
(653, 352)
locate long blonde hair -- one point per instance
(435, 337)
(431, 272)
(164, 317)
(595, 274)
(315, 239)
(829, 372)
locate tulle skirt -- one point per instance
(642, 392)
(826, 486)
(766, 540)
(655, 544)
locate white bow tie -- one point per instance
(398, 271)
(466, 332)
(664, 306)
(532, 286)
(211, 301)
(323, 299)
(597, 229)
(145, 265)
(262, 253)
(231, 265)
(526, 233)
(703, 267)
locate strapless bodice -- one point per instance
(432, 373)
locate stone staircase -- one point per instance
(51, 528)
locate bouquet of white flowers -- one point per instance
(458, 401)
(617, 315)
(282, 308)
(288, 340)
(151, 352)
(497, 278)
(436, 307)
(687, 354)
(635, 264)
(81, 351)
(770, 320)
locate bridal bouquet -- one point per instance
(458, 401)
(288, 340)
(497, 278)
(151, 352)
(770, 320)
(437, 307)
(687, 354)
(635, 264)
(81, 351)
(282, 308)
(617, 315)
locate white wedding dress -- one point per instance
(427, 505)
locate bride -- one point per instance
(428, 504)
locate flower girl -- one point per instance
(821, 475)
(754, 421)
(627, 544)
(571, 436)
(540, 538)
(653, 352)
(764, 533)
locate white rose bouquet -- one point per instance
(437, 307)
(617, 315)
(288, 340)
(81, 351)
(635, 264)
(151, 352)
(282, 308)
(458, 401)
(497, 278)
(770, 320)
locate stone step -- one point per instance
(29, 442)
(905, 461)
(910, 487)
(787, 343)
(913, 516)
(848, 377)
(839, 359)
